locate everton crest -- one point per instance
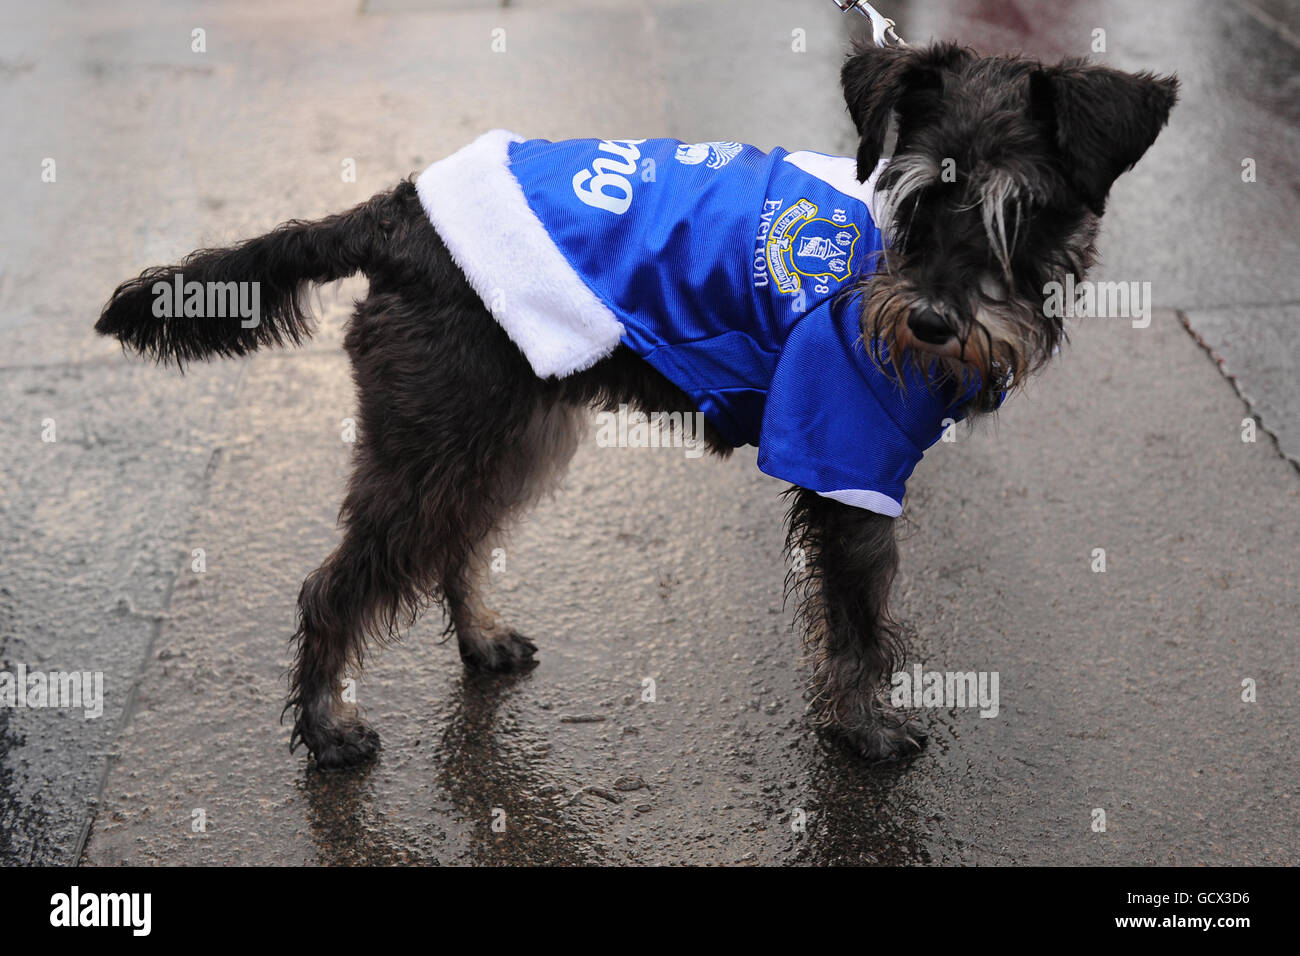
(799, 244)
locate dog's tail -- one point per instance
(231, 301)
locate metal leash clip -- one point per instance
(882, 28)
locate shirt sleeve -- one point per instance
(835, 424)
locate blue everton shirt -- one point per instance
(718, 264)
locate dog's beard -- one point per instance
(997, 340)
(1000, 329)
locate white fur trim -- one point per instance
(484, 219)
(841, 173)
(870, 500)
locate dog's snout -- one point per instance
(929, 326)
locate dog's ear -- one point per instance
(875, 80)
(1101, 120)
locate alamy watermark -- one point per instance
(64, 690)
(133, 911)
(208, 300)
(946, 689)
(1100, 300)
(628, 428)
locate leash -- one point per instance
(882, 28)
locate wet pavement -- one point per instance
(1119, 691)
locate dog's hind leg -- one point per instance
(375, 580)
(849, 558)
(527, 465)
(455, 434)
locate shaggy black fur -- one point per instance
(457, 435)
(998, 178)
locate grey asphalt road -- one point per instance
(1119, 691)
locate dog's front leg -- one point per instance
(843, 563)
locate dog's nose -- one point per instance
(929, 326)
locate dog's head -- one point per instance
(995, 188)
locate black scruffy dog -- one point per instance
(458, 434)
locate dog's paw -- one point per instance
(342, 746)
(887, 740)
(501, 654)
